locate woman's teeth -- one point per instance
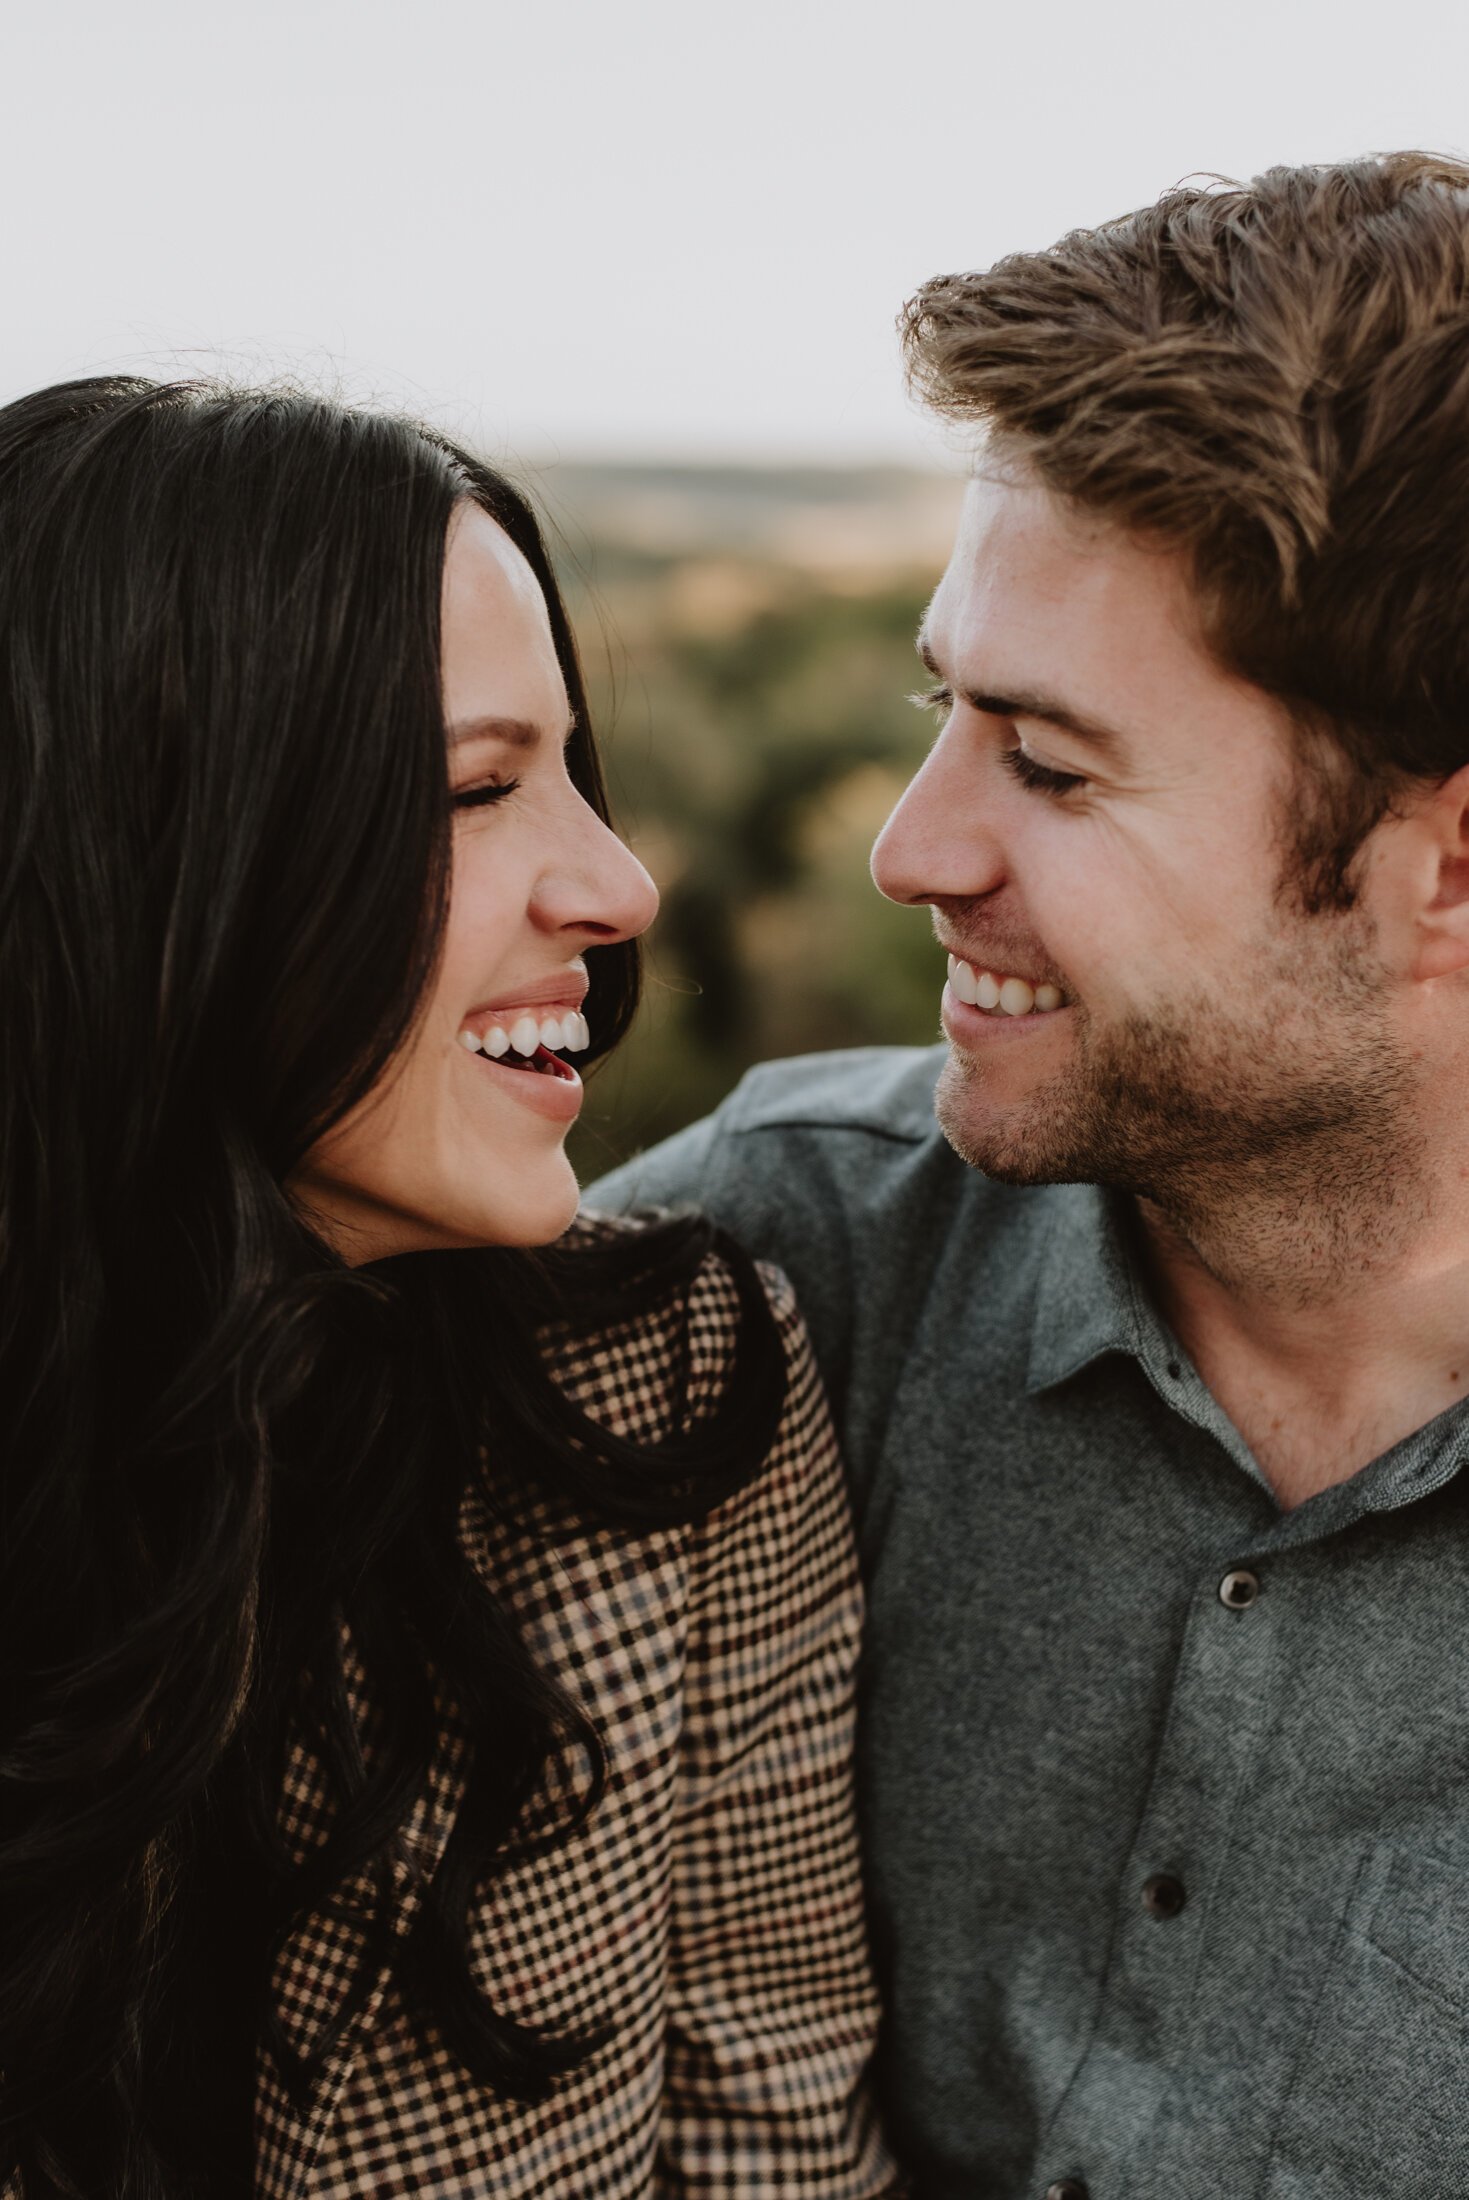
(568, 1033)
(991, 990)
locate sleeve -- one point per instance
(772, 2007)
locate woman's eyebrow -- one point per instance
(517, 733)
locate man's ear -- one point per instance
(1443, 912)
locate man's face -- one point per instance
(1105, 815)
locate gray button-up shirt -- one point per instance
(1169, 1871)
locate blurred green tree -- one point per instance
(755, 719)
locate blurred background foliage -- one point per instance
(748, 640)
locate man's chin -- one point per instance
(1007, 1143)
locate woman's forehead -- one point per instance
(499, 660)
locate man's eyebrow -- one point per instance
(517, 733)
(1047, 710)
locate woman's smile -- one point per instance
(467, 1148)
(529, 1021)
(541, 1081)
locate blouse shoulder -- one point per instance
(667, 1365)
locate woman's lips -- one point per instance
(561, 989)
(547, 1085)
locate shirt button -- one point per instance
(1163, 1895)
(1067, 2188)
(1239, 1589)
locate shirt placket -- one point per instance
(1203, 1949)
(1225, 1681)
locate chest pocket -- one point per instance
(1379, 2107)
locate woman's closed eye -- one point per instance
(488, 791)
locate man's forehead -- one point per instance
(1031, 579)
(1074, 622)
(1016, 541)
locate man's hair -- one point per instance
(1274, 378)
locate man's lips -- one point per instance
(999, 996)
(1004, 964)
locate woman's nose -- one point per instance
(599, 887)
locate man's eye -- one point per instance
(491, 790)
(1039, 777)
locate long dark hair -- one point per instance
(223, 859)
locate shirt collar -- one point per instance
(1086, 1297)
(1091, 1300)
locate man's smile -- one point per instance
(997, 992)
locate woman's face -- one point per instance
(457, 1145)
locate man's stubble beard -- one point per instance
(1270, 1123)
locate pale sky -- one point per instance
(636, 226)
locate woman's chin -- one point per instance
(531, 1206)
(534, 1221)
(535, 1206)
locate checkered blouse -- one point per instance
(709, 1915)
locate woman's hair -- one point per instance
(224, 823)
(1274, 378)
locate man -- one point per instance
(1151, 1356)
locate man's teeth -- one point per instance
(568, 1033)
(992, 990)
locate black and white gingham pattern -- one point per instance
(709, 1915)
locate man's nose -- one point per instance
(938, 844)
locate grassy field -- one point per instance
(748, 639)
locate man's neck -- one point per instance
(1324, 1345)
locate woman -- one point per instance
(430, 1659)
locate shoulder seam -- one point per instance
(894, 1133)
